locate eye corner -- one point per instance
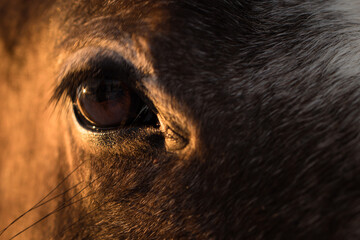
(176, 139)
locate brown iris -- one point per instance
(106, 103)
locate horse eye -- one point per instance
(107, 103)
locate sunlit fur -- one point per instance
(259, 110)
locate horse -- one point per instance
(171, 119)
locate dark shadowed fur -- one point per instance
(259, 107)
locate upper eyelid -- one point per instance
(88, 63)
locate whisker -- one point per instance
(81, 190)
(49, 214)
(62, 206)
(40, 202)
(59, 195)
(57, 186)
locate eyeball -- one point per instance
(108, 103)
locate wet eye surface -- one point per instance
(104, 103)
(109, 103)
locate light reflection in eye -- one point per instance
(105, 102)
(108, 103)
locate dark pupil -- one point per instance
(105, 102)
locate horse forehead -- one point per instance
(111, 19)
(171, 19)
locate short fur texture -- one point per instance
(258, 103)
